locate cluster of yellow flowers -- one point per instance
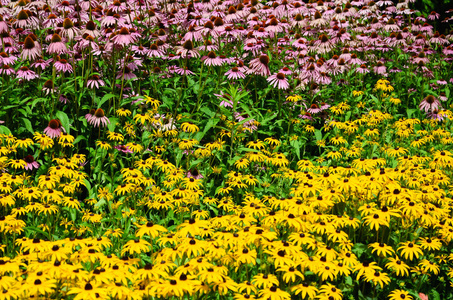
(173, 220)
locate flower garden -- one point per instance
(238, 149)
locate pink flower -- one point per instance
(211, 59)
(54, 129)
(95, 82)
(260, 66)
(278, 81)
(423, 296)
(56, 45)
(123, 38)
(62, 65)
(123, 148)
(99, 118)
(26, 74)
(30, 163)
(194, 173)
(429, 104)
(30, 50)
(234, 73)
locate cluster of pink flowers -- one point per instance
(293, 44)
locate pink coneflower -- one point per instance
(95, 82)
(63, 99)
(314, 109)
(433, 16)
(54, 129)
(99, 118)
(90, 29)
(154, 51)
(62, 65)
(123, 148)
(184, 71)
(49, 87)
(3, 25)
(139, 50)
(56, 45)
(87, 42)
(429, 104)
(30, 163)
(235, 73)
(318, 21)
(380, 69)
(127, 74)
(52, 21)
(194, 173)
(211, 59)
(362, 69)
(279, 81)
(187, 50)
(40, 63)
(123, 38)
(69, 31)
(26, 74)
(260, 66)
(90, 114)
(30, 50)
(6, 59)
(6, 70)
(26, 20)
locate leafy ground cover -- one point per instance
(218, 150)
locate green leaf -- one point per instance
(318, 135)
(207, 111)
(410, 112)
(112, 125)
(64, 119)
(296, 145)
(100, 204)
(4, 130)
(79, 138)
(28, 125)
(434, 295)
(104, 99)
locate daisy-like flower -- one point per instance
(123, 38)
(26, 74)
(62, 65)
(212, 59)
(260, 66)
(30, 163)
(30, 50)
(99, 118)
(123, 148)
(95, 82)
(54, 129)
(187, 50)
(279, 81)
(429, 104)
(235, 73)
(409, 250)
(56, 45)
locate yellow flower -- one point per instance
(334, 155)
(189, 127)
(114, 136)
(410, 250)
(23, 143)
(122, 112)
(142, 118)
(103, 145)
(134, 147)
(357, 93)
(293, 98)
(395, 101)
